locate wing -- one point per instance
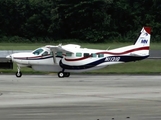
(63, 48)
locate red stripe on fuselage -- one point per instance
(111, 53)
(34, 57)
(125, 52)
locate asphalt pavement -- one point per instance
(80, 97)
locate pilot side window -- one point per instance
(38, 51)
(78, 54)
(45, 53)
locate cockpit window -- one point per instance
(45, 53)
(38, 51)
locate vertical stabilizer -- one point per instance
(143, 42)
(144, 38)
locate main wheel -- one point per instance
(67, 74)
(61, 74)
(18, 74)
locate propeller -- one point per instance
(9, 57)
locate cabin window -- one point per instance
(78, 54)
(93, 55)
(86, 54)
(68, 54)
(38, 51)
(59, 54)
(100, 55)
(51, 53)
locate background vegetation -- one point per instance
(81, 20)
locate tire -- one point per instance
(61, 74)
(18, 74)
(67, 74)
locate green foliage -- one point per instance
(87, 20)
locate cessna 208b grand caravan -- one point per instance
(72, 58)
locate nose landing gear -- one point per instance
(18, 73)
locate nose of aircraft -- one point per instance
(9, 57)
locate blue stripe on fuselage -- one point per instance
(93, 64)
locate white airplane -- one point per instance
(72, 58)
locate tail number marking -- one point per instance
(112, 59)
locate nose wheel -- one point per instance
(18, 73)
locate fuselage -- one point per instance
(80, 59)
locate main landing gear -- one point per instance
(18, 73)
(62, 74)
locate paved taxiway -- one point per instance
(80, 97)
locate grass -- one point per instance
(147, 66)
(32, 46)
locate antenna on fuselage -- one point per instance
(60, 45)
(108, 48)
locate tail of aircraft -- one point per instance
(144, 38)
(143, 42)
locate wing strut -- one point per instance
(54, 58)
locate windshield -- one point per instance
(38, 51)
